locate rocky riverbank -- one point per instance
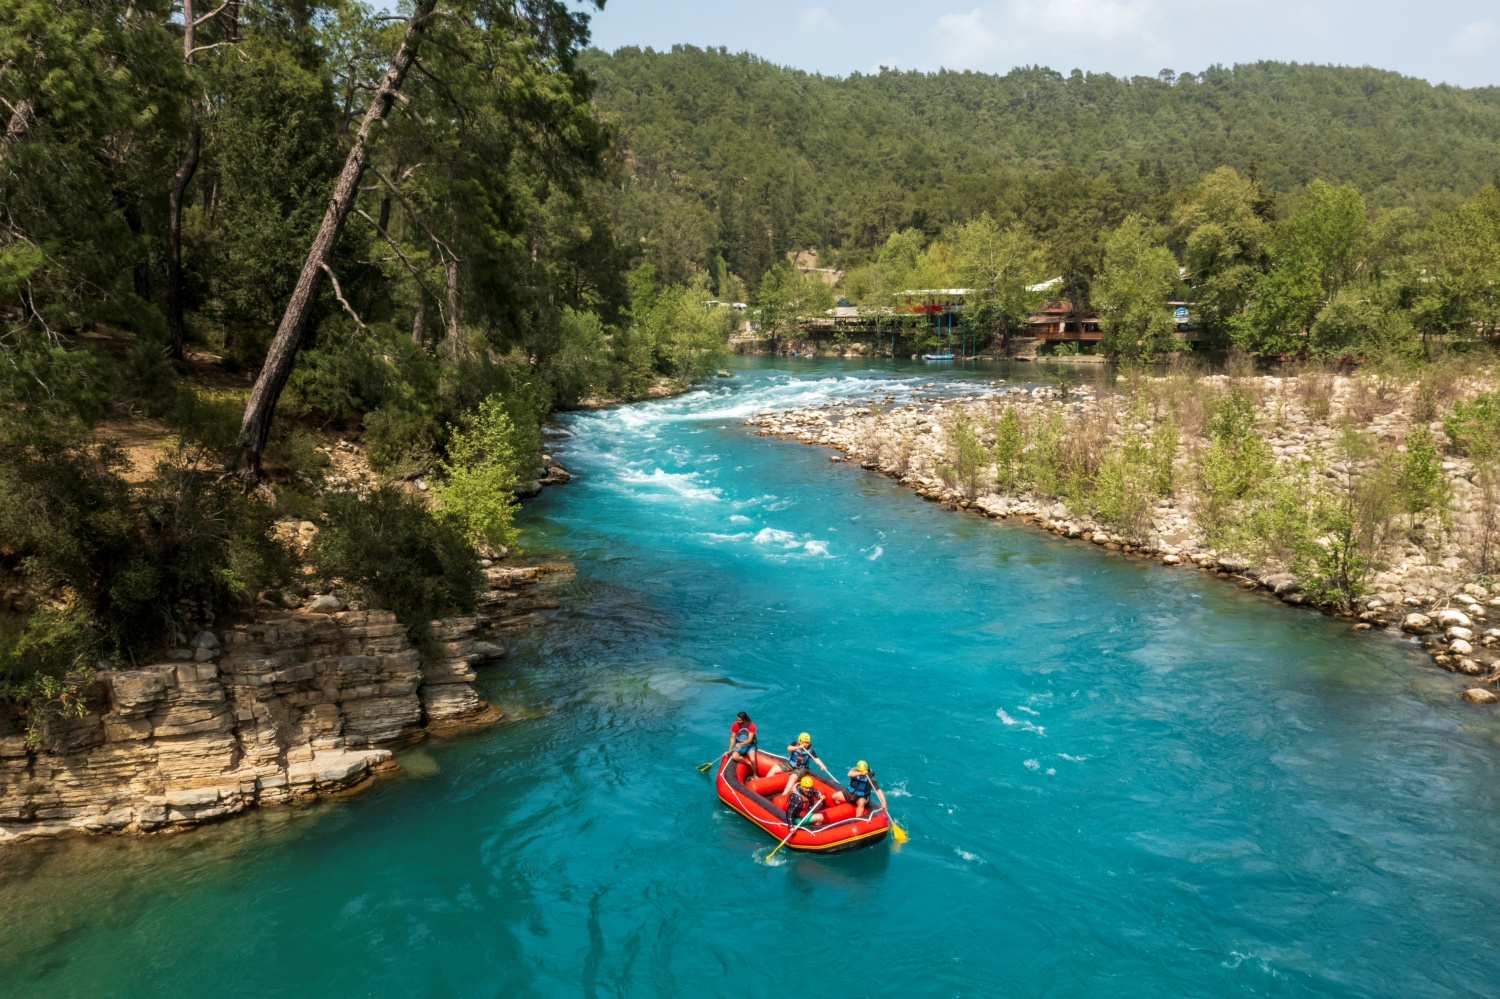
(1421, 583)
(293, 704)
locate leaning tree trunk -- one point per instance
(256, 427)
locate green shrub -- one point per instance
(1421, 482)
(579, 360)
(1010, 441)
(205, 542)
(399, 441)
(1124, 488)
(297, 448)
(1473, 427)
(394, 552)
(487, 455)
(966, 456)
(46, 656)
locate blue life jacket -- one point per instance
(859, 785)
(801, 757)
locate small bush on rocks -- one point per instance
(395, 553)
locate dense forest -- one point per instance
(1301, 209)
(232, 235)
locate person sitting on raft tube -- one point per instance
(861, 783)
(802, 800)
(800, 757)
(742, 744)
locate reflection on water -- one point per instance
(1119, 781)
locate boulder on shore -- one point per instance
(1451, 618)
(1478, 695)
(1415, 624)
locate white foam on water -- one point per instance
(773, 536)
(1072, 759)
(879, 551)
(710, 536)
(1032, 765)
(1022, 724)
(815, 548)
(683, 484)
(1029, 711)
(970, 857)
(739, 518)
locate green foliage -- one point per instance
(578, 362)
(1138, 278)
(1351, 325)
(391, 550)
(399, 441)
(967, 455)
(46, 656)
(1126, 487)
(1010, 441)
(688, 337)
(1352, 520)
(1236, 463)
(487, 456)
(1043, 461)
(1422, 484)
(1473, 427)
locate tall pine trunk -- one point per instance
(176, 327)
(256, 427)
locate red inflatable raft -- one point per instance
(760, 799)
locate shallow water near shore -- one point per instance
(1119, 780)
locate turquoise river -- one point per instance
(1119, 780)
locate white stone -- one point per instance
(205, 640)
(324, 603)
(1461, 633)
(1416, 623)
(1451, 618)
(1459, 647)
(1478, 695)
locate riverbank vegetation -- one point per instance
(242, 243)
(1372, 493)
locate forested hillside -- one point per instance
(733, 155)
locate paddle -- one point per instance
(800, 821)
(897, 833)
(707, 765)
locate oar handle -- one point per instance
(795, 827)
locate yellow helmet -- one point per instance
(862, 767)
(806, 783)
(804, 737)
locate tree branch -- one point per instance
(415, 272)
(415, 216)
(338, 293)
(211, 14)
(204, 48)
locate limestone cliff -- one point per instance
(292, 704)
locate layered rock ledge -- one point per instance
(291, 705)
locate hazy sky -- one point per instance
(1452, 41)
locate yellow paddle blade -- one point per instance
(705, 766)
(897, 832)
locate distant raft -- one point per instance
(760, 799)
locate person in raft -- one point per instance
(802, 800)
(742, 743)
(800, 757)
(861, 783)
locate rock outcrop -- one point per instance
(290, 705)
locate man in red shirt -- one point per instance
(742, 745)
